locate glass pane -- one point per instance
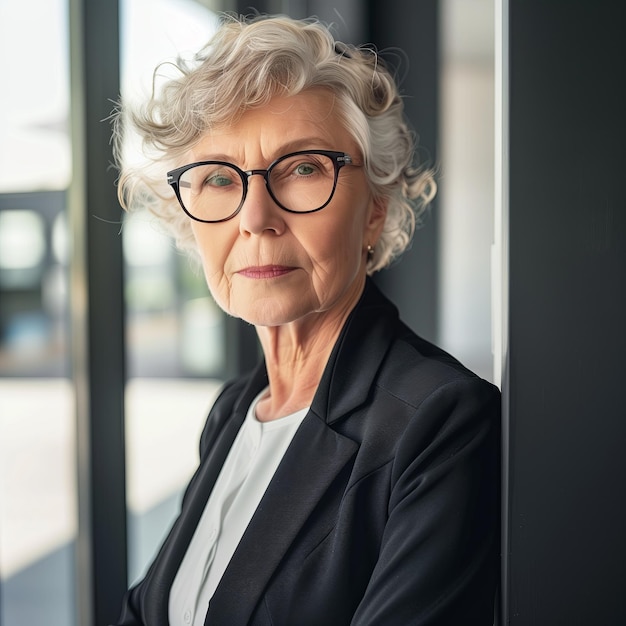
(34, 140)
(38, 518)
(175, 331)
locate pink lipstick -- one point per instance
(265, 271)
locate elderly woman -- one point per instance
(352, 477)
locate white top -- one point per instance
(251, 463)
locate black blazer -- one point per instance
(384, 509)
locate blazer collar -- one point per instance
(357, 356)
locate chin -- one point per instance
(268, 312)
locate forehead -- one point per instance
(309, 119)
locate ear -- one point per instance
(376, 220)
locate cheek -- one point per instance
(338, 245)
(213, 248)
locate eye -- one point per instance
(301, 168)
(305, 169)
(218, 180)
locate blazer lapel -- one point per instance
(357, 356)
(315, 457)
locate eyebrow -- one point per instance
(312, 142)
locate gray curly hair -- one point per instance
(264, 57)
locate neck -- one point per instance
(296, 355)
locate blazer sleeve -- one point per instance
(439, 560)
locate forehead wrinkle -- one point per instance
(248, 144)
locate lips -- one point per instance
(265, 271)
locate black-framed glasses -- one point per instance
(299, 182)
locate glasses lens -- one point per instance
(303, 182)
(211, 192)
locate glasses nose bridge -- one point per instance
(264, 173)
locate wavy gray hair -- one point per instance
(265, 57)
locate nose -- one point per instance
(259, 212)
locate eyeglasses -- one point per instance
(300, 182)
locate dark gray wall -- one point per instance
(565, 388)
(407, 34)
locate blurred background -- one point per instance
(112, 351)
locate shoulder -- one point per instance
(388, 354)
(415, 370)
(424, 405)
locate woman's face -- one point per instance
(271, 267)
